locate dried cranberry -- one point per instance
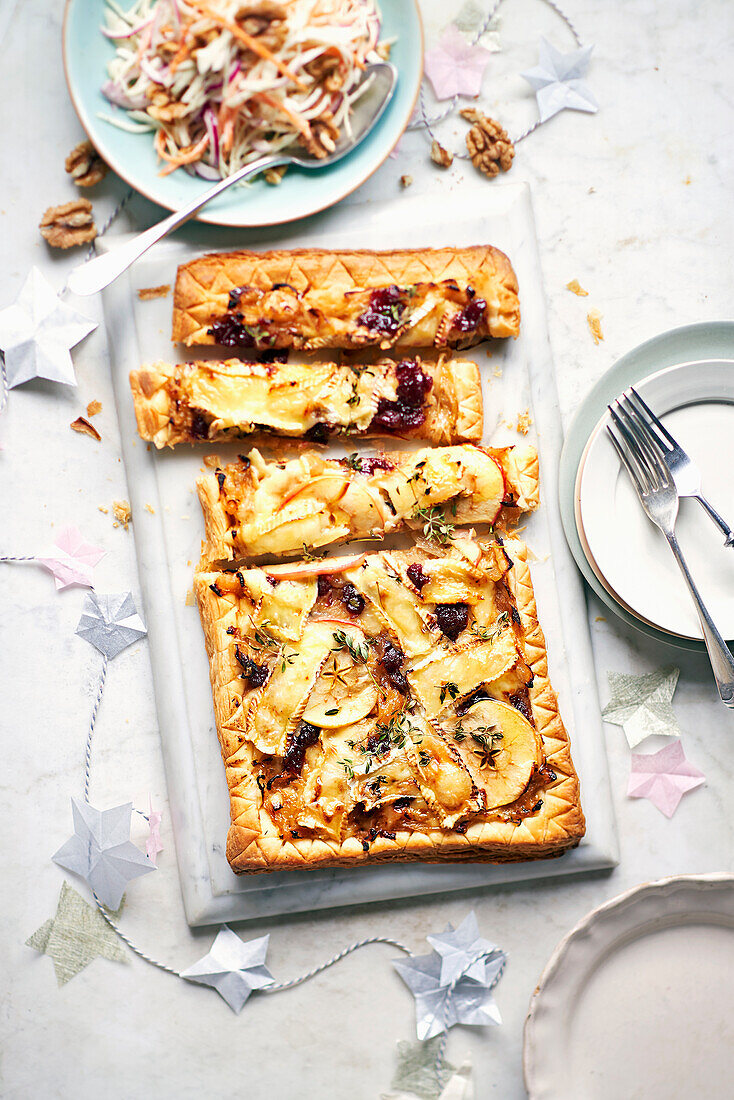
(406, 411)
(352, 600)
(452, 618)
(519, 700)
(221, 478)
(416, 575)
(319, 433)
(324, 588)
(471, 316)
(232, 331)
(234, 296)
(254, 674)
(296, 745)
(392, 660)
(384, 311)
(369, 465)
(199, 425)
(401, 804)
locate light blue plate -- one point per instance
(705, 340)
(131, 156)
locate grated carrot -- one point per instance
(298, 121)
(184, 156)
(251, 43)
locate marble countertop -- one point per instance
(632, 202)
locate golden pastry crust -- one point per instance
(209, 400)
(314, 298)
(253, 507)
(545, 820)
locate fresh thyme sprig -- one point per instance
(359, 651)
(436, 527)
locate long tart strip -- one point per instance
(396, 707)
(208, 400)
(315, 298)
(253, 507)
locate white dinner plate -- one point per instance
(626, 551)
(635, 1003)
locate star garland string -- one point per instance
(455, 68)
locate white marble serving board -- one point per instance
(517, 375)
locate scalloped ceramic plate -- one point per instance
(636, 1001)
(131, 156)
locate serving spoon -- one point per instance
(99, 272)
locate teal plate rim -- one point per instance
(132, 157)
(700, 340)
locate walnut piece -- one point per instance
(327, 69)
(405, 181)
(69, 225)
(273, 176)
(440, 156)
(82, 425)
(165, 109)
(324, 136)
(489, 146)
(85, 165)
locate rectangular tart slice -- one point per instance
(253, 507)
(396, 707)
(316, 298)
(203, 401)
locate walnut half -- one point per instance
(488, 143)
(69, 225)
(85, 165)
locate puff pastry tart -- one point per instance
(253, 507)
(391, 706)
(412, 399)
(314, 298)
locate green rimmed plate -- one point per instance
(132, 157)
(705, 340)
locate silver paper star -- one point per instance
(232, 967)
(110, 623)
(37, 333)
(76, 935)
(642, 705)
(467, 997)
(463, 950)
(556, 81)
(101, 851)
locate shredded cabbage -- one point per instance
(220, 83)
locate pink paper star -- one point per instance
(663, 777)
(75, 561)
(454, 66)
(153, 844)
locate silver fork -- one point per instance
(683, 469)
(659, 497)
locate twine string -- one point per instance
(92, 724)
(27, 557)
(427, 123)
(441, 1051)
(278, 987)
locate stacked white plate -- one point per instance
(623, 555)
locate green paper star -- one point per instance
(76, 935)
(642, 705)
(416, 1069)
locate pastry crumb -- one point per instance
(576, 288)
(147, 292)
(211, 461)
(82, 425)
(405, 181)
(524, 421)
(593, 318)
(600, 619)
(497, 373)
(150, 508)
(185, 517)
(688, 181)
(104, 509)
(122, 512)
(189, 601)
(94, 407)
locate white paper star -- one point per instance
(110, 623)
(463, 950)
(232, 967)
(37, 333)
(642, 705)
(101, 851)
(466, 997)
(73, 561)
(556, 81)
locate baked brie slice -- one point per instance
(413, 399)
(253, 507)
(316, 298)
(388, 706)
